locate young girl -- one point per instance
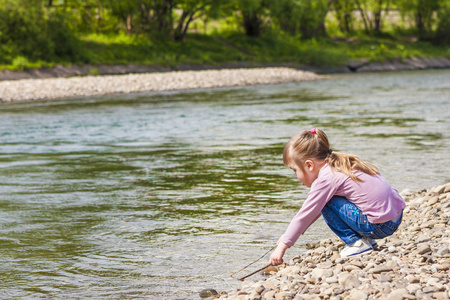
(356, 202)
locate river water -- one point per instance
(157, 196)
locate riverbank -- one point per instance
(57, 88)
(79, 81)
(414, 263)
(363, 65)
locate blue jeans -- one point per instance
(350, 224)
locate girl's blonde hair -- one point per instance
(313, 144)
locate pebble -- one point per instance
(358, 295)
(322, 273)
(207, 293)
(380, 269)
(442, 251)
(413, 263)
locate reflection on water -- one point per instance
(162, 195)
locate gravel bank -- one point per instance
(53, 88)
(414, 263)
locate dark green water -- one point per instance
(158, 196)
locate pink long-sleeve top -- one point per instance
(374, 196)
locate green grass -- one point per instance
(388, 48)
(231, 47)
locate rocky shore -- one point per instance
(78, 81)
(57, 88)
(413, 263)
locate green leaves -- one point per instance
(29, 31)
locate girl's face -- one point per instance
(309, 172)
(301, 175)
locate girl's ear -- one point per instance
(309, 164)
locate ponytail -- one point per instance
(313, 144)
(346, 163)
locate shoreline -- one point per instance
(361, 65)
(73, 87)
(413, 263)
(77, 81)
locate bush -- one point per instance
(28, 31)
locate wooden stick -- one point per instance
(242, 278)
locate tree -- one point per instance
(305, 17)
(192, 10)
(442, 34)
(371, 13)
(252, 13)
(343, 10)
(423, 12)
(163, 19)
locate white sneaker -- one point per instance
(372, 242)
(358, 247)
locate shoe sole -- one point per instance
(364, 251)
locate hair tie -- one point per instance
(330, 151)
(313, 131)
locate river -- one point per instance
(159, 195)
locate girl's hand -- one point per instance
(276, 258)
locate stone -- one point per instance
(413, 279)
(331, 280)
(439, 189)
(348, 281)
(350, 268)
(322, 273)
(440, 295)
(422, 238)
(269, 285)
(397, 294)
(338, 291)
(443, 267)
(419, 201)
(269, 270)
(269, 295)
(433, 200)
(328, 291)
(259, 289)
(380, 269)
(208, 293)
(442, 251)
(430, 289)
(282, 295)
(423, 248)
(289, 269)
(412, 288)
(358, 295)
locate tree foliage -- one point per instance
(28, 30)
(423, 13)
(49, 29)
(442, 35)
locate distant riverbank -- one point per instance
(363, 65)
(87, 80)
(82, 81)
(81, 86)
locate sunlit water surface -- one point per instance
(158, 196)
